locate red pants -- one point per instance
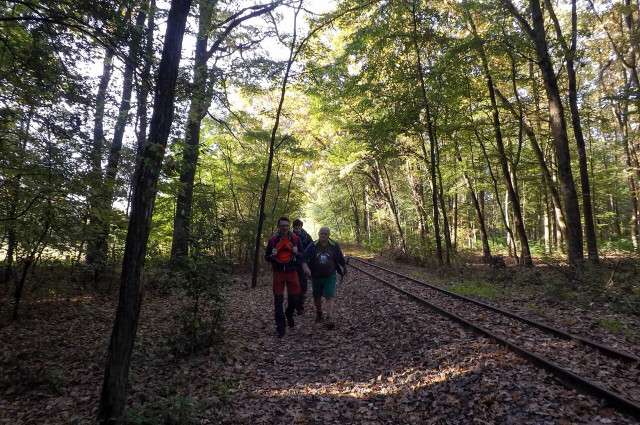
(288, 278)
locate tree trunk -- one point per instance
(145, 84)
(112, 399)
(504, 214)
(486, 250)
(365, 212)
(569, 53)
(558, 126)
(546, 174)
(417, 191)
(633, 193)
(525, 253)
(547, 226)
(100, 222)
(355, 209)
(395, 212)
(96, 248)
(200, 100)
(431, 135)
(272, 149)
(455, 221)
(17, 294)
(443, 207)
(621, 113)
(380, 179)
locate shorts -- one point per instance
(324, 286)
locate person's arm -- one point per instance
(340, 260)
(268, 255)
(306, 269)
(305, 259)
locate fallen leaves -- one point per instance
(388, 361)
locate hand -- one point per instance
(295, 250)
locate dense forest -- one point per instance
(170, 136)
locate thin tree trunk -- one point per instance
(199, 103)
(417, 191)
(395, 212)
(96, 249)
(272, 149)
(547, 226)
(145, 84)
(17, 295)
(621, 114)
(633, 194)
(380, 179)
(443, 207)
(365, 212)
(486, 250)
(504, 214)
(100, 220)
(546, 174)
(455, 222)
(525, 253)
(112, 399)
(355, 209)
(431, 135)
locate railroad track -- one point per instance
(604, 372)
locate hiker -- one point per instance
(321, 260)
(283, 252)
(305, 240)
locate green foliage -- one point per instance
(611, 325)
(477, 287)
(197, 282)
(534, 308)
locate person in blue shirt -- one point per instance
(320, 262)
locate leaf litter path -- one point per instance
(389, 361)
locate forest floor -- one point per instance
(388, 361)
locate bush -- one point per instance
(196, 282)
(200, 279)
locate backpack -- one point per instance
(293, 239)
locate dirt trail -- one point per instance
(387, 361)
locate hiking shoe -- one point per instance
(318, 317)
(280, 333)
(329, 323)
(290, 321)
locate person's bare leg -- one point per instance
(328, 308)
(318, 303)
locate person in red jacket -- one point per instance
(284, 251)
